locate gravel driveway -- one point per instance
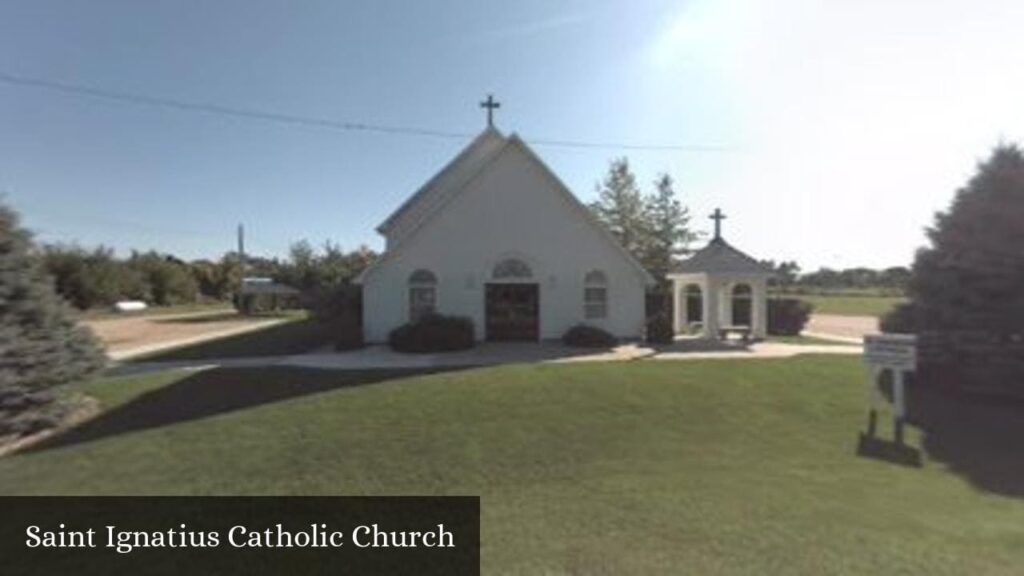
(846, 327)
(134, 335)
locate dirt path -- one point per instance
(841, 327)
(136, 335)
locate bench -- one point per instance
(725, 331)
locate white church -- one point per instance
(496, 237)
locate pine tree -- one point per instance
(41, 347)
(971, 278)
(620, 206)
(666, 225)
(966, 290)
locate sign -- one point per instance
(893, 351)
(896, 353)
(239, 535)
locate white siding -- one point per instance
(512, 208)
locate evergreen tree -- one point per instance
(666, 226)
(620, 207)
(971, 278)
(41, 347)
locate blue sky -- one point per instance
(842, 125)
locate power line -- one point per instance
(311, 121)
(218, 109)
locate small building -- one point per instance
(258, 294)
(720, 290)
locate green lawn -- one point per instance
(697, 467)
(297, 334)
(805, 340)
(849, 305)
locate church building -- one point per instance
(496, 237)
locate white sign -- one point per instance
(894, 351)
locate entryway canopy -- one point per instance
(719, 290)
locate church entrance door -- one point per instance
(512, 312)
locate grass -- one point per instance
(805, 340)
(850, 305)
(296, 334)
(700, 467)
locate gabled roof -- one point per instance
(719, 256)
(457, 174)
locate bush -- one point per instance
(433, 333)
(584, 336)
(659, 329)
(41, 347)
(347, 335)
(341, 307)
(903, 319)
(788, 316)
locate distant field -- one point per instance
(845, 305)
(848, 303)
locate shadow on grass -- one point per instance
(203, 319)
(290, 337)
(213, 392)
(702, 345)
(226, 316)
(979, 438)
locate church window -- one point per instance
(595, 295)
(422, 294)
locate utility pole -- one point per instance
(241, 250)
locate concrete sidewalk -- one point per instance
(490, 354)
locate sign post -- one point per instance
(898, 354)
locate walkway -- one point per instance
(489, 354)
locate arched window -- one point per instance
(422, 294)
(511, 269)
(595, 295)
(741, 305)
(694, 303)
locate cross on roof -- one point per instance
(490, 104)
(718, 216)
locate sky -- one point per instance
(829, 132)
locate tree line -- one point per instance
(97, 277)
(789, 278)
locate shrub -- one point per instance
(903, 319)
(347, 335)
(584, 336)
(41, 347)
(341, 307)
(433, 333)
(659, 329)
(788, 316)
